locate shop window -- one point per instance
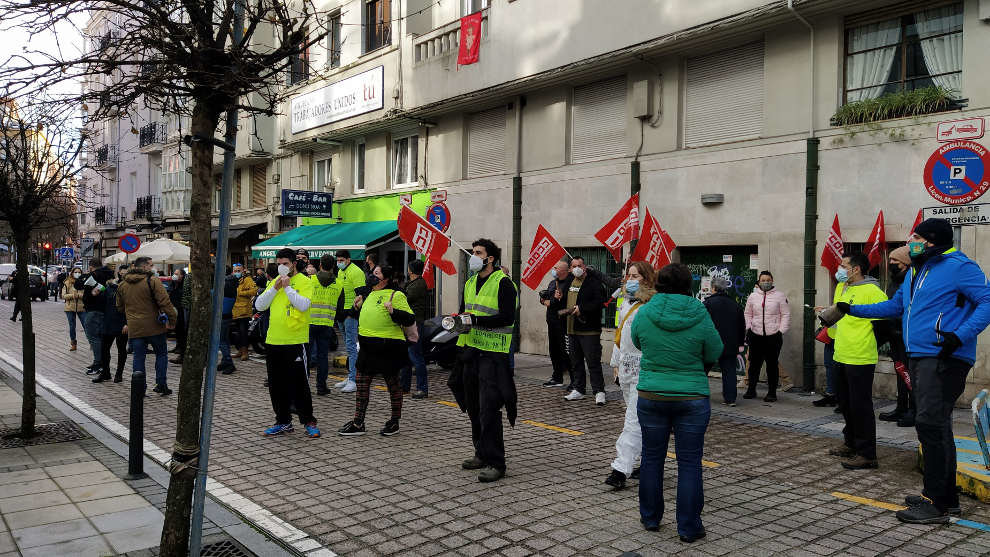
(321, 175)
(405, 152)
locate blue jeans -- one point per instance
(319, 335)
(830, 369)
(225, 343)
(140, 348)
(351, 342)
(416, 357)
(688, 420)
(93, 326)
(71, 316)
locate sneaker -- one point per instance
(157, 389)
(418, 395)
(93, 370)
(892, 416)
(826, 400)
(729, 404)
(277, 429)
(600, 399)
(915, 500)
(351, 429)
(312, 431)
(771, 397)
(749, 394)
(923, 513)
(842, 451)
(349, 387)
(391, 428)
(553, 383)
(340, 384)
(860, 462)
(473, 463)
(616, 479)
(490, 474)
(573, 395)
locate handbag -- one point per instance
(410, 331)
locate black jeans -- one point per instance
(561, 360)
(937, 384)
(242, 324)
(108, 341)
(764, 349)
(728, 366)
(484, 372)
(17, 308)
(288, 382)
(586, 349)
(854, 386)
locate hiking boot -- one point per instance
(826, 400)
(923, 513)
(616, 479)
(553, 383)
(391, 428)
(915, 500)
(842, 451)
(490, 474)
(893, 416)
(473, 463)
(860, 462)
(750, 394)
(350, 429)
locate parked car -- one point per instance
(36, 279)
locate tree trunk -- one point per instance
(178, 504)
(22, 292)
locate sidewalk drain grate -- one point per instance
(57, 432)
(224, 548)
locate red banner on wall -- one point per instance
(470, 39)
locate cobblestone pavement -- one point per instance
(768, 489)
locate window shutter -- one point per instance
(724, 96)
(258, 186)
(486, 143)
(599, 120)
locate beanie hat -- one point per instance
(936, 231)
(902, 255)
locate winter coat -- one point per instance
(91, 302)
(72, 297)
(729, 321)
(418, 297)
(679, 343)
(229, 296)
(175, 293)
(246, 291)
(553, 309)
(948, 293)
(113, 320)
(139, 298)
(767, 313)
(590, 301)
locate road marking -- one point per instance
(705, 463)
(893, 507)
(553, 427)
(448, 403)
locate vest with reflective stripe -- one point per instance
(485, 303)
(323, 310)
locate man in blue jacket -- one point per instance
(944, 303)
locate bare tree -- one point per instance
(39, 150)
(178, 56)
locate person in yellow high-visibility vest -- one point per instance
(289, 296)
(322, 315)
(486, 383)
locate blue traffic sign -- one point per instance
(66, 253)
(958, 172)
(439, 216)
(129, 243)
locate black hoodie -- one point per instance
(91, 302)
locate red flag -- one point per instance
(470, 39)
(655, 245)
(420, 235)
(832, 254)
(917, 221)
(622, 229)
(544, 254)
(876, 244)
(428, 277)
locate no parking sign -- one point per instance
(958, 172)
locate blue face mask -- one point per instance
(237, 275)
(341, 265)
(553, 273)
(841, 275)
(632, 286)
(916, 248)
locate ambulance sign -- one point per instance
(958, 172)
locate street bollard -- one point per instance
(135, 446)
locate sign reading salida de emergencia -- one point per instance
(348, 97)
(298, 203)
(960, 215)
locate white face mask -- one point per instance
(76, 275)
(283, 270)
(475, 263)
(577, 271)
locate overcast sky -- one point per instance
(64, 38)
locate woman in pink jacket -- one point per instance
(767, 319)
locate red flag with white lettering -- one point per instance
(428, 277)
(467, 52)
(421, 236)
(876, 244)
(544, 254)
(622, 229)
(832, 254)
(917, 221)
(655, 245)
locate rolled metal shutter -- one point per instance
(258, 185)
(724, 96)
(486, 143)
(599, 120)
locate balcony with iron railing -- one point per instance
(106, 156)
(152, 137)
(104, 215)
(148, 207)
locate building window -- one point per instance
(472, 6)
(321, 175)
(299, 64)
(333, 40)
(903, 53)
(377, 24)
(405, 152)
(359, 167)
(601, 260)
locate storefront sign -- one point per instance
(958, 173)
(314, 253)
(296, 203)
(960, 215)
(349, 97)
(955, 130)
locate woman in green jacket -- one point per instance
(679, 342)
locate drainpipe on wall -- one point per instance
(810, 222)
(517, 210)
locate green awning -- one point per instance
(320, 239)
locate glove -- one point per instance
(843, 307)
(950, 343)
